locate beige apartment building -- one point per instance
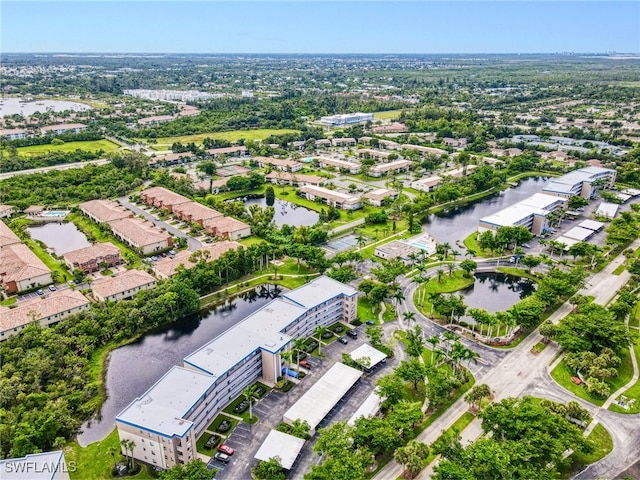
(90, 258)
(122, 286)
(104, 211)
(141, 235)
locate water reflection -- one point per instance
(497, 292)
(287, 212)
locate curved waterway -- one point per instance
(134, 368)
(460, 222)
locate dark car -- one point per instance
(221, 458)
(343, 340)
(370, 322)
(352, 333)
(226, 449)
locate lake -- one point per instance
(13, 106)
(59, 237)
(459, 223)
(287, 212)
(134, 368)
(496, 292)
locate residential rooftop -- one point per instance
(127, 280)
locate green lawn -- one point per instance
(538, 347)
(90, 146)
(634, 391)
(562, 375)
(388, 115)
(95, 461)
(472, 244)
(365, 311)
(619, 269)
(603, 446)
(216, 422)
(8, 301)
(389, 314)
(634, 319)
(200, 448)
(231, 136)
(447, 285)
(245, 415)
(56, 267)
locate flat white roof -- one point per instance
(368, 409)
(579, 233)
(511, 215)
(319, 291)
(592, 225)
(607, 209)
(280, 444)
(163, 407)
(631, 191)
(314, 405)
(541, 200)
(259, 330)
(365, 350)
(36, 466)
(567, 241)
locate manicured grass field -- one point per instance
(634, 391)
(231, 136)
(562, 375)
(365, 311)
(448, 284)
(90, 146)
(603, 446)
(388, 115)
(95, 461)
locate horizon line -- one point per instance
(611, 52)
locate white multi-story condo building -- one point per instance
(581, 182)
(346, 119)
(532, 213)
(165, 422)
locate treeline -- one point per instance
(67, 187)
(47, 139)
(10, 161)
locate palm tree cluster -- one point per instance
(451, 352)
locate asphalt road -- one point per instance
(191, 242)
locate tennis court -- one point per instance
(231, 170)
(342, 244)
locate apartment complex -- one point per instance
(346, 119)
(167, 267)
(90, 258)
(396, 166)
(378, 195)
(55, 307)
(350, 167)
(195, 212)
(426, 184)
(585, 182)
(165, 422)
(160, 197)
(13, 133)
(104, 211)
(288, 178)
(63, 128)
(123, 286)
(532, 213)
(336, 199)
(141, 235)
(20, 268)
(278, 164)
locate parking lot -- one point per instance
(246, 439)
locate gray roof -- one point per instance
(318, 291)
(163, 407)
(591, 225)
(579, 233)
(365, 350)
(37, 466)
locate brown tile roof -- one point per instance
(105, 210)
(127, 280)
(167, 197)
(6, 208)
(166, 267)
(138, 231)
(197, 211)
(39, 308)
(84, 255)
(226, 225)
(63, 126)
(18, 262)
(277, 162)
(7, 237)
(216, 151)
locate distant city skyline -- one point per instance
(330, 27)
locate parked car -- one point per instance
(221, 458)
(305, 364)
(352, 333)
(40, 292)
(172, 252)
(370, 322)
(226, 449)
(52, 288)
(343, 340)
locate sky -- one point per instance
(303, 26)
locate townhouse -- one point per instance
(375, 154)
(279, 164)
(195, 212)
(141, 235)
(164, 160)
(288, 178)
(104, 211)
(122, 286)
(89, 259)
(167, 267)
(341, 165)
(63, 128)
(160, 197)
(331, 197)
(227, 227)
(397, 166)
(20, 268)
(55, 307)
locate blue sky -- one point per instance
(320, 26)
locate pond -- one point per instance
(459, 223)
(12, 106)
(496, 292)
(59, 237)
(134, 368)
(287, 212)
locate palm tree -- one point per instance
(398, 296)
(409, 316)
(318, 332)
(451, 267)
(250, 394)
(454, 254)
(286, 357)
(440, 272)
(298, 344)
(445, 247)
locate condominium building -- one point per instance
(346, 119)
(140, 235)
(377, 196)
(585, 182)
(375, 154)
(231, 151)
(336, 199)
(55, 307)
(13, 133)
(89, 259)
(426, 184)
(343, 142)
(7, 237)
(167, 267)
(396, 166)
(295, 179)
(63, 128)
(123, 286)
(350, 167)
(227, 227)
(532, 213)
(167, 159)
(279, 164)
(160, 197)
(166, 421)
(20, 268)
(195, 212)
(438, 152)
(104, 211)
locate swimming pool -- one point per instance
(55, 213)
